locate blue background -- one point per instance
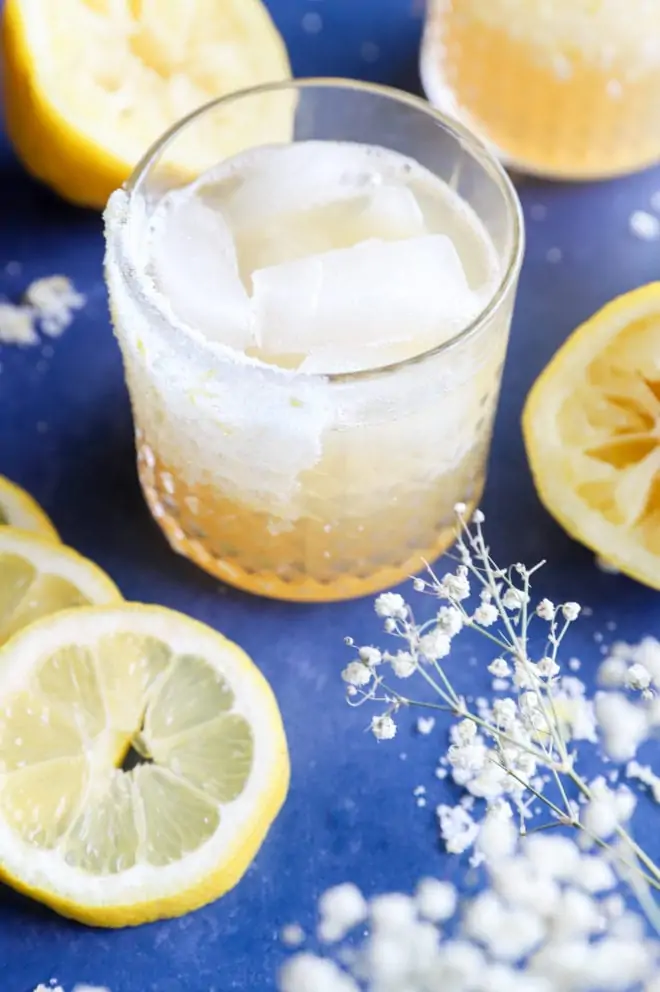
(65, 434)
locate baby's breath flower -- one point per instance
(486, 615)
(435, 645)
(464, 732)
(457, 828)
(547, 668)
(449, 620)
(624, 725)
(403, 664)
(505, 712)
(606, 810)
(356, 674)
(391, 604)
(514, 599)
(507, 749)
(638, 677)
(383, 727)
(546, 610)
(500, 668)
(478, 516)
(455, 587)
(370, 656)
(460, 509)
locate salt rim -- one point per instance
(127, 203)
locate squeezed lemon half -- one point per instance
(91, 84)
(592, 432)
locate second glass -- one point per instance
(313, 333)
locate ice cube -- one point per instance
(391, 212)
(371, 295)
(195, 267)
(287, 178)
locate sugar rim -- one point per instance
(466, 138)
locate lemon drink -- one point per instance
(290, 439)
(568, 88)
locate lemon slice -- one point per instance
(19, 509)
(90, 84)
(39, 577)
(142, 762)
(592, 432)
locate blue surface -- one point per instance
(65, 434)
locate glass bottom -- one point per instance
(572, 120)
(305, 560)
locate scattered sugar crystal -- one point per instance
(554, 255)
(53, 300)
(49, 303)
(436, 901)
(308, 973)
(341, 908)
(292, 935)
(425, 725)
(17, 325)
(538, 211)
(644, 225)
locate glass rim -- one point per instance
(475, 146)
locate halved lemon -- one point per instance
(90, 84)
(39, 576)
(142, 762)
(592, 431)
(19, 509)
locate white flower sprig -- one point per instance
(515, 747)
